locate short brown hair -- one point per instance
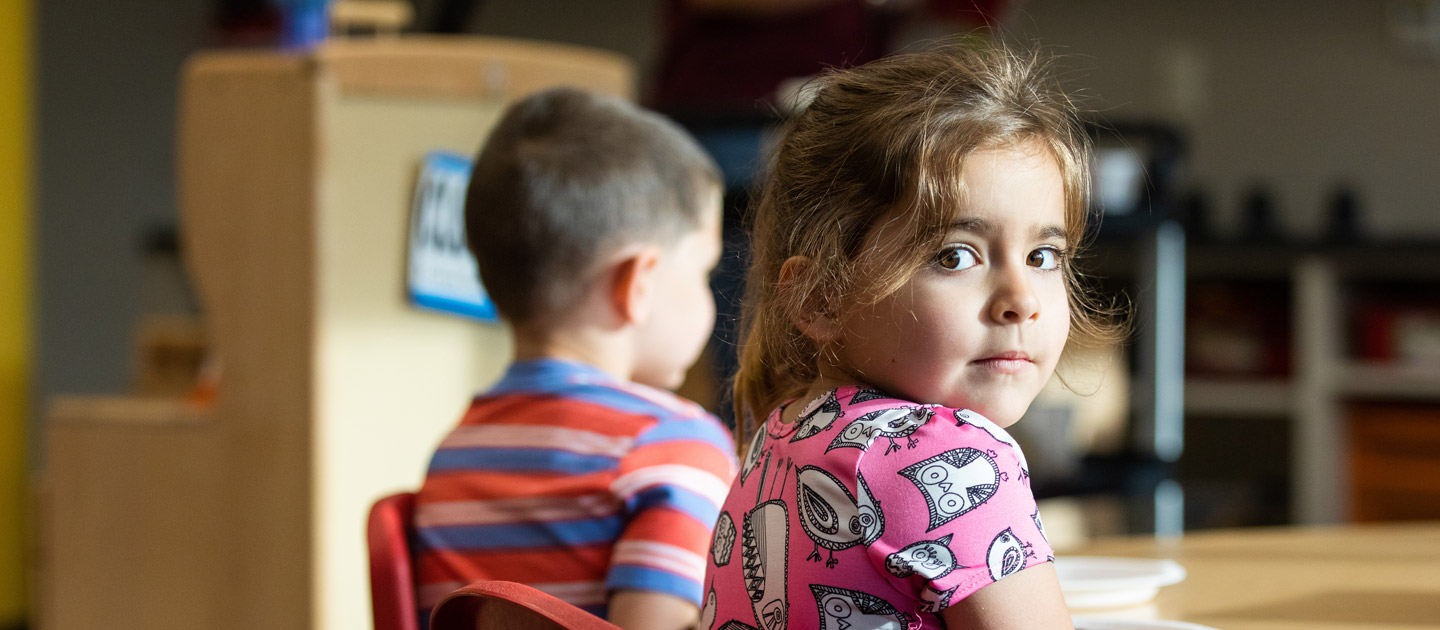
(567, 176)
(891, 135)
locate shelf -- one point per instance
(1386, 380)
(1256, 397)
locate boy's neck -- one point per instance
(597, 350)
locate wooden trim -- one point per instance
(469, 67)
(127, 411)
(247, 166)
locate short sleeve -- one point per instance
(671, 483)
(958, 510)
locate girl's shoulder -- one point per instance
(852, 428)
(881, 425)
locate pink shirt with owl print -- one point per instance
(869, 512)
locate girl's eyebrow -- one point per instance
(972, 224)
(1050, 232)
(986, 228)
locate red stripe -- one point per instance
(469, 485)
(672, 527)
(690, 453)
(557, 412)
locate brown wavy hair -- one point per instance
(890, 138)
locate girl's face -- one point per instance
(983, 324)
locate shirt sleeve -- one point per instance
(958, 510)
(672, 484)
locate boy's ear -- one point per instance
(633, 289)
(811, 315)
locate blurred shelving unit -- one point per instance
(1267, 384)
(1264, 398)
(1324, 390)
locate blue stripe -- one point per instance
(576, 381)
(631, 577)
(697, 429)
(519, 459)
(693, 504)
(545, 375)
(520, 536)
(595, 394)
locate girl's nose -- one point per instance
(1014, 300)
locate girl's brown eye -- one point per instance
(1045, 258)
(956, 258)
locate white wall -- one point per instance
(1293, 95)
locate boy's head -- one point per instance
(566, 184)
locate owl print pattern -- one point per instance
(896, 422)
(842, 609)
(932, 559)
(818, 417)
(954, 482)
(833, 533)
(722, 540)
(832, 517)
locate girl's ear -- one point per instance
(633, 289)
(811, 314)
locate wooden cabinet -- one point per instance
(1394, 461)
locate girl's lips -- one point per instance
(1006, 362)
(1011, 354)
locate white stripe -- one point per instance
(517, 510)
(513, 436)
(693, 479)
(661, 556)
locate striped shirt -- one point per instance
(565, 479)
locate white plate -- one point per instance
(1101, 623)
(1100, 582)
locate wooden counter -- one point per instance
(1331, 578)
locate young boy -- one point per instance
(595, 225)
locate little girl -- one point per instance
(910, 294)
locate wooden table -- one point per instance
(1384, 577)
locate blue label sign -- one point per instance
(442, 272)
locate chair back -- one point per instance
(497, 605)
(392, 569)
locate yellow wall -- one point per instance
(14, 299)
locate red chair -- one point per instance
(392, 569)
(496, 605)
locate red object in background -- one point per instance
(716, 63)
(719, 63)
(1388, 332)
(988, 13)
(1374, 332)
(245, 23)
(1237, 329)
